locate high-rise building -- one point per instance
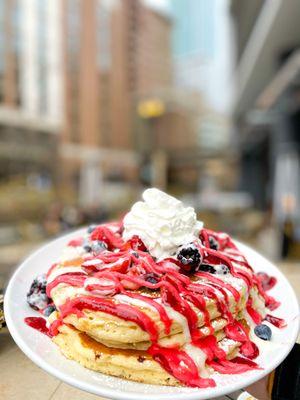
(71, 75)
(201, 49)
(193, 42)
(266, 107)
(30, 109)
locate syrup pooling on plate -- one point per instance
(117, 274)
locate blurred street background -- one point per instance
(102, 98)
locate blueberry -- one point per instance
(34, 286)
(31, 290)
(38, 300)
(38, 285)
(41, 282)
(213, 244)
(152, 278)
(36, 297)
(49, 310)
(97, 246)
(215, 269)
(208, 268)
(91, 228)
(190, 257)
(263, 332)
(86, 246)
(41, 279)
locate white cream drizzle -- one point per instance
(98, 281)
(180, 319)
(199, 358)
(226, 343)
(135, 302)
(61, 292)
(172, 314)
(94, 261)
(258, 303)
(238, 283)
(64, 270)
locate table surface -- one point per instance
(21, 379)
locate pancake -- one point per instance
(134, 365)
(108, 328)
(173, 339)
(103, 326)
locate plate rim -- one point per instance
(118, 394)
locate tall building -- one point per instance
(202, 49)
(30, 109)
(72, 74)
(266, 107)
(193, 42)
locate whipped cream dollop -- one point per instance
(162, 222)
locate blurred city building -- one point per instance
(101, 97)
(88, 97)
(267, 109)
(196, 53)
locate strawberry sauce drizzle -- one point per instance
(126, 266)
(219, 284)
(159, 308)
(238, 365)
(39, 324)
(75, 242)
(73, 279)
(171, 296)
(210, 347)
(211, 293)
(271, 303)
(267, 281)
(124, 311)
(179, 364)
(278, 322)
(237, 332)
(256, 317)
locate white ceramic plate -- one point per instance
(46, 355)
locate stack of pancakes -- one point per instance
(115, 346)
(157, 298)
